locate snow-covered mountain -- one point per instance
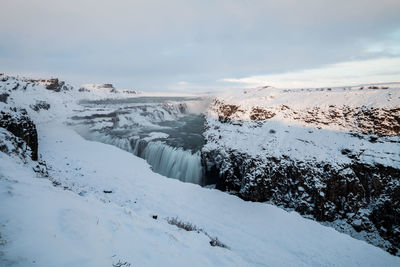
(67, 201)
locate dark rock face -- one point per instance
(366, 196)
(12, 145)
(40, 105)
(108, 85)
(259, 113)
(83, 89)
(362, 119)
(367, 120)
(227, 112)
(54, 84)
(18, 123)
(4, 97)
(16, 147)
(361, 195)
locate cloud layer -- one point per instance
(156, 45)
(380, 70)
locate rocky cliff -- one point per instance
(330, 154)
(17, 122)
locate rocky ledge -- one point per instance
(338, 163)
(17, 122)
(18, 138)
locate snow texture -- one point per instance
(102, 206)
(332, 153)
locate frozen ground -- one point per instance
(336, 127)
(99, 204)
(308, 124)
(81, 225)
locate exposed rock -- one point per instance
(12, 145)
(363, 194)
(18, 123)
(16, 146)
(367, 120)
(108, 85)
(3, 97)
(316, 189)
(227, 112)
(259, 113)
(40, 105)
(53, 84)
(83, 89)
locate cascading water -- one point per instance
(165, 131)
(174, 162)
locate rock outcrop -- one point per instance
(54, 84)
(367, 197)
(334, 163)
(18, 123)
(18, 138)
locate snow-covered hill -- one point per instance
(330, 153)
(85, 203)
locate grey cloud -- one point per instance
(155, 44)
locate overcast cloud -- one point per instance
(200, 45)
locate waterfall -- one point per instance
(166, 160)
(174, 162)
(128, 124)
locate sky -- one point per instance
(202, 45)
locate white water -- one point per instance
(174, 162)
(176, 154)
(169, 161)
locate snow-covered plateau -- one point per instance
(67, 200)
(332, 154)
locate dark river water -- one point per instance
(165, 131)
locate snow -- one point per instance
(156, 135)
(77, 224)
(284, 135)
(321, 145)
(62, 104)
(300, 101)
(308, 97)
(97, 229)
(139, 125)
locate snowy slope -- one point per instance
(25, 93)
(332, 153)
(370, 95)
(83, 226)
(309, 124)
(96, 208)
